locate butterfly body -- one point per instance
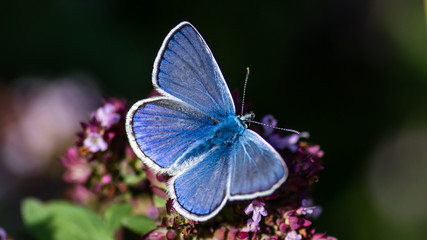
(193, 134)
(228, 131)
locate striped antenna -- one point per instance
(278, 128)
(244, 89)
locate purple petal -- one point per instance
(107, 116)
(292, 139)
(269, 120)
(252, 226)
(249, 209)
(256, 217)
(263, 211)
(293, 235)
(95, 142)
(306, 223)
(283, 227)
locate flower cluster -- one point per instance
(100, 161)
(102, 169)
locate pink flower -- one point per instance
(295, 222)
(171, 234)
(106, 179)
(78, 169)
(81, 194)
(157, 234)
(282, 225)
(315, 150)
(252, 226)
(293, 235)
(243, 235)
(257, 207)
(95, 142)
(219, 234)
(321, 236)
(309, 209)
(232, 234)
(107, 116)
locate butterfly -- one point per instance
(192, 133)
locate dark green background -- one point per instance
(349, 72)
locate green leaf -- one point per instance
(59, 220)
(114, 214)
(158, 201)
(133, 179)
(36, 218)
(139, 224)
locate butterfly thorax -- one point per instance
(227, 131)
(224, 133)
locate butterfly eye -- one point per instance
(251, 116)
(247, 118)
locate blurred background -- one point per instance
(352, 73)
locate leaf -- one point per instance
(36, 218)
(133, 179)
(139, 224)
(114, 214)
(158, 201)
(59, 220)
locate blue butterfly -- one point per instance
(192, 132)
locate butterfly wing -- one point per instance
(162, 129)
(201, 191)
(186, 69)
(256, 168)
(250, 168)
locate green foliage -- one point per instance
(158, 201)
(60, 220)
(139, 224)
(114, 215)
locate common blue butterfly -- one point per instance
(192, 132)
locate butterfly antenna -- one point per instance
(244, 89)
(278, 128)
(246, 119)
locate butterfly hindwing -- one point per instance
(186, 69)
(201, 191)
(250, 168)
(257, 169)
(161, 130)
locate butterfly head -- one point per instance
(247, 118)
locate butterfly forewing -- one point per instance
(161, 130)
(185, 68)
